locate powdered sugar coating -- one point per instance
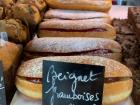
(65, 45)
(74, 14)
(33, 68)
(75, 24)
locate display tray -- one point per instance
(19, 99)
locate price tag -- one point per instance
(2, 87)
(72, 84)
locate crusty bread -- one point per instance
(96, 5)
(76, 15)
(28, 13)
(76, 28)
(40, 4)
(114, 92)
(17, 32)
(10, 56)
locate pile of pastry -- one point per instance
(77, 32)
(19, 18)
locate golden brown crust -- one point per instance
(8, 54)
(66, 45)
(25, 12)
(107, 34)
(117, 91)
(17, 32)
(10, 57)
(33, 68)
(96, 5)
(113, 92)
(76, 15)
(40, 4)
(29, 89)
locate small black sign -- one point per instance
(2, 87)
(72, 84)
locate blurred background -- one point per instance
(126, 2)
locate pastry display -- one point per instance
(96, 5)
(17, 32)
(118, 82)
(134, 19)
(74, 31)
(73, 46)
(40, 4)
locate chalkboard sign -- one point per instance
(2, 87)
(72, 84)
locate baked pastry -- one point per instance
(17, 32)
(134, 19)
(73, 46)
(28, 13)
(76, 15)
(117, 86)
(70, 23)
(76, 28)
(10, 56)
(96, 5)
(40, 4)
